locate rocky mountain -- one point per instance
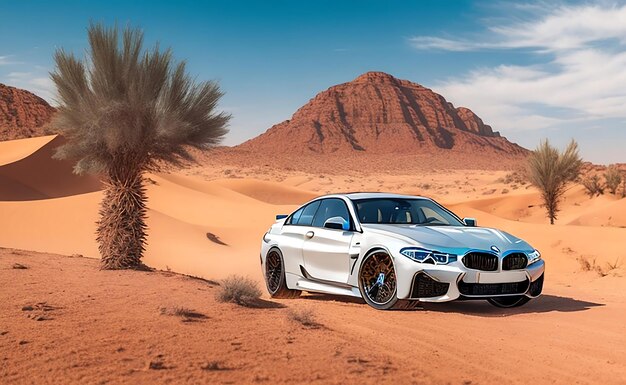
(22, 114)
(378, 114)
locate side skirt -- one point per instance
(309, 283)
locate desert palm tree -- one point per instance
(125, 110)
(550, 171)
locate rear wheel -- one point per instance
(506, 302)
(377, 281)
(275, 276)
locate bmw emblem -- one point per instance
(495, 248)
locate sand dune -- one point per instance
(577, 208)
(268, 192)
(37, 175)
(14, 150)
(211, 227)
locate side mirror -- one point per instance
(337, 223)
(471, 222)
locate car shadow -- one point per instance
(264, 304)
(544, 304)
(331, 298)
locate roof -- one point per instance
(370, 195)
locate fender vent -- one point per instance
(425, 287)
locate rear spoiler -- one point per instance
(281, 216)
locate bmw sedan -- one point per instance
(394, 251)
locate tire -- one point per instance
(275, 276)
(379, 295)
(507, 302)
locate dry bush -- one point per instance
(183, 312)
(614, 265)
(514, 177)
(550, 171)
(240, 290)
(613, 178)
(305, 317)
(587, 265)
(593, 186)
(505, 191)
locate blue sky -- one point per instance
(531, 70)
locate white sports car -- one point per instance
(393, 250)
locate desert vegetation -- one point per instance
(552, 171)
(593, 185)
(305, 317)
(613, 178)
(240, 290)
(125, 110)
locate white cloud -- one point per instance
(5, 60)
(578, 79)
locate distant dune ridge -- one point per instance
(23, 114)
(377, 113)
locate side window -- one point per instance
(329, 208)
(304, 216)
(295, 217)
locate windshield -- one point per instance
(404, 211)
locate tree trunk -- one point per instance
(121, 232)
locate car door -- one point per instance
(326, 251)
(293, 236)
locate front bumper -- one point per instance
(442, 283)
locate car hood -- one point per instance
(454, 239)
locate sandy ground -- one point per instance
(107, 326)
(91, 326)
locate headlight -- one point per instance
(266, 237)
(428, 256)
(534, 257)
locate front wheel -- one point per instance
(377, 281)
(506, 302)
(275, 276)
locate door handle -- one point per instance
(309, 234)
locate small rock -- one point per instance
(19, 266)
(211, 365)
(23, 342)
(156, 365)
(28, 308)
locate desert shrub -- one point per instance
(240, 290)
(590, 265)
(305, 317)
(614, 265)
(593, 186)
(551, 171)
(188, 315)
(613, 178)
